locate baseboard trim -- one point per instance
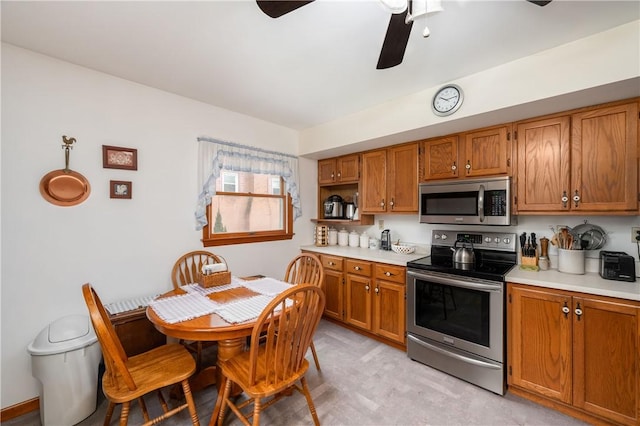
(19, 409)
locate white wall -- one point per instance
(562, 78)
(125, 248)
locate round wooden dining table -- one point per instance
(231, 338)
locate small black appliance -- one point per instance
(617, 265)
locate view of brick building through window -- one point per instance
(247, 202)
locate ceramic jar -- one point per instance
(364, 240)
(343, 238)
(333, 236)
(354, 239)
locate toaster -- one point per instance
(617, 265)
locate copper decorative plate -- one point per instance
(64, 187)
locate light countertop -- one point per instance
(590, 283)
(372, 255)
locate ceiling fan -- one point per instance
(403, 13)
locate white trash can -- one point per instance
(64, 358)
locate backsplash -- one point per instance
(407, 229)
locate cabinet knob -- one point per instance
(332, 263)
(578, 311)
(339, 174)
(468, 166)
(565, 199)
(388, 274)
(366, 287)
(357, 268)
(392, 203)
(576, 198)
(454, 168)
(382, 203)
(377, 290)
(565, 310)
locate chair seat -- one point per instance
(157, 368)
(237, 370)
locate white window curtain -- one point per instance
(215, 155)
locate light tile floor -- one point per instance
(364, 382)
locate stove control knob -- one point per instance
(444, 236)
(487, 239)
(506, 241)
(436, 237)
(496, 240)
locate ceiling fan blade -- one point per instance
(277, 8)
(540, 2)
(395, 41)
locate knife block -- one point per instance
(529, 261)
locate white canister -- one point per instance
(364, 240)
(343, 237)
(571, 261)
(354, 239)
(333, 236)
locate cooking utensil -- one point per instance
(463, 257)
(65, 187)
(590, 236)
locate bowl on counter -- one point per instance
(403, 248)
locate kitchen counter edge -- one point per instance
(361, 253)
(590, 283)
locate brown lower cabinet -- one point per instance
(575, 352)
(366, 296)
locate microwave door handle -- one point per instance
(481, 203)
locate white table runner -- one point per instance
(266, 286)
(183, 307)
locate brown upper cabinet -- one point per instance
(344, 169)
(585, 162)
(390, 180)
(484, 152)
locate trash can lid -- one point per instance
(63, 335)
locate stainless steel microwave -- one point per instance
(485, 201)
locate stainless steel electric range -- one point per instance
(455, 312)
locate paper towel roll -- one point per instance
(213, 267)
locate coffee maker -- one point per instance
(385, 240)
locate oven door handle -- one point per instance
(456, 282)
(481, 204)
(454, 355)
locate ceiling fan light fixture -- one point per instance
(395, 6)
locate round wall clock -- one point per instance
(447, 100)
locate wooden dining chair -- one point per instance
(306, 268)
(185, 271)
(276, 359)
(130, 378)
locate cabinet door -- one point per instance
(389, 310)
(543, 164)
(606, 359)
(604, 154)
(402, 178)
(374, 182)
(440, 158)
(348, 168)
(334, 294)
(539, 336)
(358, 303)
(327, 171)
(486, 152)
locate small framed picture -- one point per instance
(119, 189)
(115, 157)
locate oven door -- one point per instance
(455, 311)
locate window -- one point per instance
(248, 207)
(229, 182)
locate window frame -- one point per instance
(211, 240)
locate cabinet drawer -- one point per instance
(358, 267)
(331, 262)
(391, 273)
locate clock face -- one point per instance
(447, 100)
